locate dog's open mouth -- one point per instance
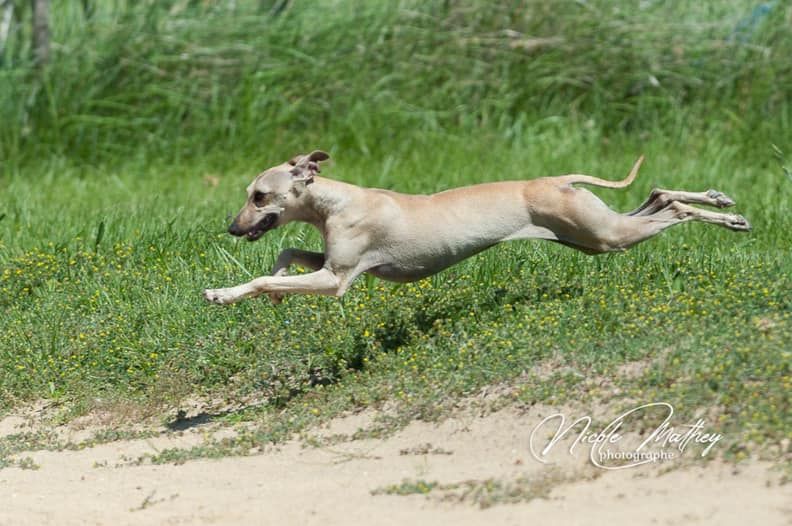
(261, 228)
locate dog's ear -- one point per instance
(307, 166)
(318, 155)
(314, 156)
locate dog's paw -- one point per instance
(738, 223)
(219, 296)
(720, 199)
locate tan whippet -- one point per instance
(400, 237)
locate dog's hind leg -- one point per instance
(581, 220)
(625, 231)
(295, 256)
(660, 198)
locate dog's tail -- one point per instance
(596, 181)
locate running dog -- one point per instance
(400, 237)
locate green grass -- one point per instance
(110, 227)
(120, 315)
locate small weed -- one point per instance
(27, 463)
(425, 449)
(151, 501)
(407, 487)
(481, 493)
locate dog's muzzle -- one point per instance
(259, 229)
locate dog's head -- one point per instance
(273, 198)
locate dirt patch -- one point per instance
(469, 469)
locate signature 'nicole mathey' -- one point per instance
(663, 436)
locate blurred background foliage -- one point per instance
(178, 79)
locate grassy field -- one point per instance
(118, 178)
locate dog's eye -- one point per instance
(259, 198)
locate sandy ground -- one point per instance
(296, 484)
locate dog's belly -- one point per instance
(403, 274)
(397, 274)
(415, 266)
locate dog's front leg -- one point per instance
(292, 256)
(320, 282)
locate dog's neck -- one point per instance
(324, 198)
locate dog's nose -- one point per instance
(234, 230)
